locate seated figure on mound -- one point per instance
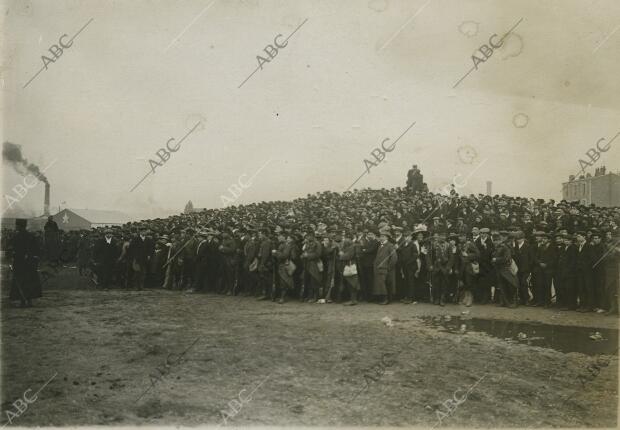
(414, 179)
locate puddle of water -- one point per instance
(560, 338)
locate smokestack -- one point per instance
(489, 188)
(46, 200)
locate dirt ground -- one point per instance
(260, 363)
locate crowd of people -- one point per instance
(377, 246)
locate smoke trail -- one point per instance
(12, 153)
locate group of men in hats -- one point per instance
(374, 245)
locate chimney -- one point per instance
(489, 188)
(46, 200)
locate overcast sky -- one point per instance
(354, 74)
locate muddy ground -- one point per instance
(259, 363)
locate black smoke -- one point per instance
(12, 154)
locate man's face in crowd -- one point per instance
(475, 231)
(596, 239)
(371, 236)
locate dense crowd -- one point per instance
(378, 246)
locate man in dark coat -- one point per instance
(544, 267)
(228, 251)
(313, 266)
(441, 260)
(583, 272)
(601, 301)
(140, 251)
(52, 240)
(611, 262)
(265, 265)
(486, 278)
(250, 264)
(566, 296)
(507, 281)
(368, 252)
(200, 271)
(384, 268)
(188, 253)
(399, 240)
(106, 255)
(524, 254)
(25, 252)
(408, 257)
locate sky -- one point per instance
(352, 74)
